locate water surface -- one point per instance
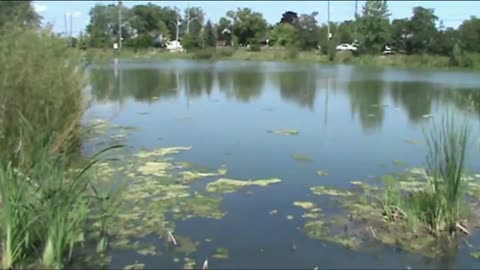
(353, 122)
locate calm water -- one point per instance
(353, 123)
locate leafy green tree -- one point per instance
(209, 37)
(308, 31)
(247, 26)
(469, 32)
(103, 26)
(422, 31)
(18, 13)
(148, 24)
(345, 32)
(192, 24)
(374, 26)
(284, 34)
(400, 28)
(289, 17)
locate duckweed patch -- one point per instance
(322, 190)
(321, 173)
(369, 218)
(301, 157)
(286, 132)
(221, 254)
(304, 205)
(225, 185)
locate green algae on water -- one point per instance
(286, 132)
(226, 185)
(322, 190)
(301, 157)
(304, 205)
(321, 173)
(134, 266)
(221, 254)
(161, 152)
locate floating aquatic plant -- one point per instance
(226, 185)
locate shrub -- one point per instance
(292, 52)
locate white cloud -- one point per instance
(39, 8)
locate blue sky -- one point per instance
(452, 12)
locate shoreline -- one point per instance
(422, 62)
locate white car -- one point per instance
(346, 47)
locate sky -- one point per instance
(451, 12)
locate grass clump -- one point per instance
(47, 202)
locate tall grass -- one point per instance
(447, 143)
(440, 205)
(46, 200)
(41, 82)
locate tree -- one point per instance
(374, 26)
(18, 13)
(469, 33)
(103, 26)
(289, 17)
(248, 26)
(284, 34)
(148, 24)
(422, 31)
(209, 35)
(193, 21)
(400, 33)
(308, 31)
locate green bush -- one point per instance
(292, 52)
(225, 52)
(255, 46)
(208, 53)
(343, 57)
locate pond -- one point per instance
(346, 123)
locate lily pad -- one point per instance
(273, 212)
(304, 205)
(287, 132)
(322, 190)
(289, 217)
(226, 185)
(221, 253)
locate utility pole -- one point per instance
(328, 20)
(71, 40)
(178, 25)
(119, 24)
(356, 9)
(66, 29)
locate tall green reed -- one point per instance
(447, 148)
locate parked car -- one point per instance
(346, 47)
(388, 50)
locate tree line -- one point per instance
(149, 25)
